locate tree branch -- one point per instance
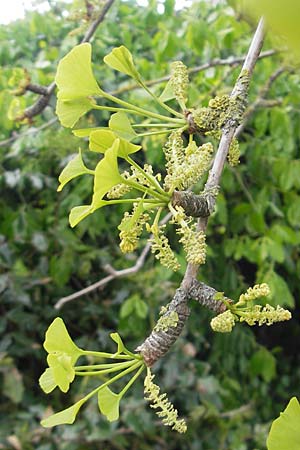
(112, 275)
(159, 342)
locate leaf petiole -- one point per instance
(139, 110)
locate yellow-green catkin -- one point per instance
(179, 81)
(193, 241)
(161, 248)
(223, 323)
(131, 232)
(252, 293)
(265, 315)
(185, 166)
(175, 155)
(160, 402)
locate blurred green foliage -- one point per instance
(229, 387)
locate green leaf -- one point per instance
(67, 416)
(116, 338)
(168, 92)
(293, 212)
(59, 340)
(263, 363)
(280, 292)
(127, 307)
(47, 382)
(108, 403)
(107, 173)
(70, 111)
(74, 77)
(141, 308)
(285, 430)
(62, 369)
(121, 126)
(101, 140)
(13, 386)
(121, 60)
(75, 82)
(85, 132)
(73, 169)
(78, 213)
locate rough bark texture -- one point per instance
(159, 342)
(204, 295)
(193, 205)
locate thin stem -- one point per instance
(114, 109)
(130, 200)
(153, 125)
(104, 366)
(112, 380)
(141, 111)
(151, 179)
(104, 371)
(157, 217)
(147, 190)
(153, 133)
(131, 381)
(161, 103)
(105, 355)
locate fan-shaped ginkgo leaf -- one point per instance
(121, 126)
(46, 381)
(101, 140)
(121, 60)
(109, 403)
(58, 340)
(70, 111)
(67, 416)
(285, 430)
(74, 77)
(73, 169)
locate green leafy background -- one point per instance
(229, 387)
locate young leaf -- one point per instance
(79, 213)
(101, 140)
(62, 370)
(129, 224)
(285, 431)
(107, 173)
(58, 340)
(108, 403)
(67, 416)
(168, 92)
(70, 111)
(121, 60)
(74, 77)
(120, 124)
(46, 381)
(73, 169)
(75, 82)
(116, 338)
(85, 132)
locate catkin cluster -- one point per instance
(179, 81)
(131, 230)
(161, 248)
(160, 402)
(185, 166)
